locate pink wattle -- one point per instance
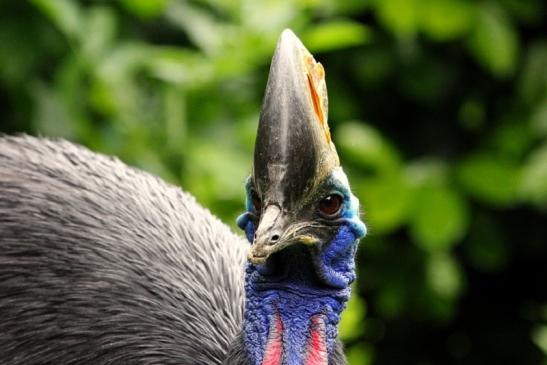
(274, 347)
(317, 347)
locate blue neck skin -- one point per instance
(296, 302)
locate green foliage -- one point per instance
(494, 42)
(439, 218)
(351, 324)
(534, 178)
(489, 178)
(438, 109)
(335, 35)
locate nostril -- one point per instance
(274, 238)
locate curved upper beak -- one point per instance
(293, 149)
(272, 235)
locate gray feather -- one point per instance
(103, 264)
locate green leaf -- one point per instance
(174, 114)
(532, 85)
(51, 117)
(360, 355)
(539, 336)
(179, 66)
(447, 19)
(331, 7)
(399, 16)
(494, 42)
(385, 200)
(145, 8)
(489, 179)
(100, 29)
(353, 317)
(439, 217)
(512, 139)
(114, 89)
(65, 14)
(335, 35)
(202, 28)
(427, 171)
(365, 146)
(533, 186)
(444, 275)
(538, 119)
(216, 169)
(268, 18)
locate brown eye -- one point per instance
(331, 204)
(257, 204)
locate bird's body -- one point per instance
(103, 264)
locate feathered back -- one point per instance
(103, 264)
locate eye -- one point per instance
(257, 203)
(331, 204)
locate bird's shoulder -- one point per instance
(123, 260)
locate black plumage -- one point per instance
(103, 264)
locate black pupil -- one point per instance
(331, 204)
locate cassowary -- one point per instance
(103, 264)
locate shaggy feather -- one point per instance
(103, 264)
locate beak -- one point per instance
(293, 149)
(268, 235)
(272, 236)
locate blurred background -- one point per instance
(438, 109)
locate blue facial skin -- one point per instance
(296, 299)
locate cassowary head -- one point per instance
(298, 194)
(302, 219)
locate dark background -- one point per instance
(438, 109)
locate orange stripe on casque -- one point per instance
(316, 72)
(316, 101)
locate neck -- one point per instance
(291, 317)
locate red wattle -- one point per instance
(316, 353)
(273, 355)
